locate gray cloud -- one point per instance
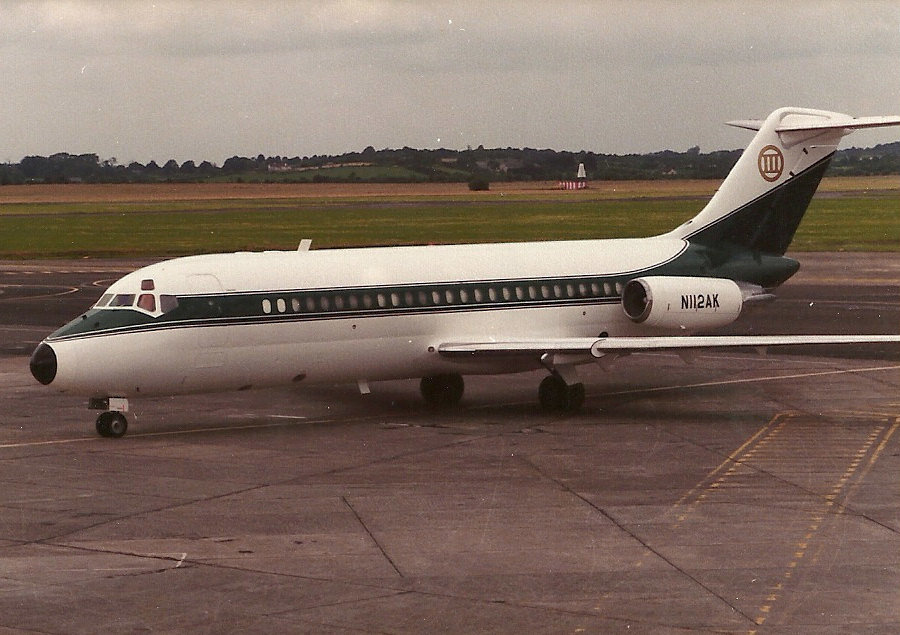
(202, 80)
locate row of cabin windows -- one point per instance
(352, 301)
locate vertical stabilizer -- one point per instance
(761, 202)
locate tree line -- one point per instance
(412, 165)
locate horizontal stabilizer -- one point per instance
(802, 123)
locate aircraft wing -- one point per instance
(599, 347)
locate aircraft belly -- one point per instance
(223, 358)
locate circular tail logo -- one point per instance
(770, 163)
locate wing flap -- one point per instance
(512, 348)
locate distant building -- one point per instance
(580, 182)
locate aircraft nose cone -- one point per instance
(43, 364)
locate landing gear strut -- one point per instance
(112, 424)
(558, 396)
(442, 391)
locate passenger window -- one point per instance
(354, 301)
(619, 288)
(479, 295)
(282, 307)
(492, 294)
(607, 288)
(595, 288)
(532, 292)
(382, 300)
(506, 294)
(367, 301)
(267, 306)
(147, 302)
(570, 290)
(310, 304)
(463, 296)
(436, 297)
(338, 302)
(395, 299)
(545, 291)
(449, 296)
(423, 298)
(323, 303)
(408, 298)
(520, 293)
(295, 305)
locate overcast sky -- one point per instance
(212, 79)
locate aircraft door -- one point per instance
(211, 340)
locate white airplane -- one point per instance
(247, 320)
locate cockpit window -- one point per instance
(147, 302)
(152, 303)
(123, 299)
(167, 303)
(103, 301)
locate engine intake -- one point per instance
(684, 303)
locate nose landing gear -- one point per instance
(111, 423)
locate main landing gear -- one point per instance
(445, 391)
(560, 392)
(558, 396)
(111, 423)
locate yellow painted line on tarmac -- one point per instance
(731, 461)
(751, 380)
(41, 296)
(283, 422)
(838, 495)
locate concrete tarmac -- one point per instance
(743, 493)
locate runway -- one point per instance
(743, 493)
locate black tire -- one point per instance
(574, 397)
(442, 391)
(103, 425)
(556, 396)
(112, 424)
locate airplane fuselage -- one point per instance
(242, 320)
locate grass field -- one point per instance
(76, 221)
